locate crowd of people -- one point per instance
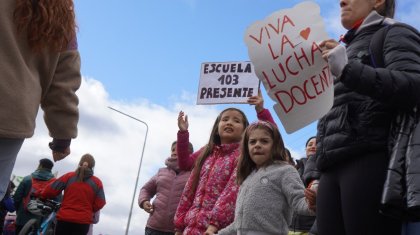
(244, 180)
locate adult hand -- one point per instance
(148, 207)
(178, 233)
(258, 101)
(57, 155)
(326, 46)
(182, 121)
(211, 229)
(310, 196)
(336, 56)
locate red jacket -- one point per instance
(81, 199)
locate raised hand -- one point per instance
(182, 121)
(57, 155)
(258, 101)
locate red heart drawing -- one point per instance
(305, 33)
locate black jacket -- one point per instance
(366, 99)
(401, 195)
(301, 223)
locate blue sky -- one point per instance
(153, 50)
(143, 58)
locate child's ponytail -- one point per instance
(85, 167)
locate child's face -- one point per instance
(173, 151)
(231, 127)
(311, 147)
(260, 144)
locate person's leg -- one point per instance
(328, 212)
(361, 184)
(63, 228)
(150, 231)
(404, 229)
(412, 228)
(80, 229)
(9, 148)
(68, 228)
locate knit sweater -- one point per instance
(29, 79)
(267, 199)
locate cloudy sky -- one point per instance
(143, 58)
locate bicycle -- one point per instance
(47, 209)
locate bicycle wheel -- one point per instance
(30, 227)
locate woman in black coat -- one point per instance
(352, 137)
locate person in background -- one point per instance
(302, 224)
(83, 197)
(270, 188)
(44, 175)
(39, 66)
(6, 205)
(167, 185)
(352, 138)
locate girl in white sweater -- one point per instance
(270, 188)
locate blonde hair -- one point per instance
(82, 170)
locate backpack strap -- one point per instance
(376, 45)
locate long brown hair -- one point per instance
(278, 153)
(213, 140)
(46, 23)
(81, 171)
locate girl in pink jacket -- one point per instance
(167, 185)
(208, 201)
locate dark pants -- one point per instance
(67, 228)
(349, 196)
(149, 231)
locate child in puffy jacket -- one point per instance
(208, 201)
(167, 185)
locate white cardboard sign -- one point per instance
(284, 50)
(227, 82)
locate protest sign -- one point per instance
(284, 50)
(227, 82)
